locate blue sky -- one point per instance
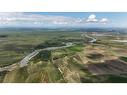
(66, 19)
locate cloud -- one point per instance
(59, 22)
(29, 18)
(104, 20)
(18, 18)
(92, 18)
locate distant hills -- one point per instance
(64, 29)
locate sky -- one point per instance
(63, 19)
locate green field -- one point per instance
(18, 44)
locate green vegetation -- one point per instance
(72, 64)
(3, 36)
(50, 43)
(117, 79)
(16, 76)
(104, 79)
(2, 75)
(67, 51)
(16, 44)
(124, 58)
(76, 48)
(35, 73)
(43, 56)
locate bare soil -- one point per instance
(108, 67)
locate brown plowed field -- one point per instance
(108, 67)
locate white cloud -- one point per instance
(38, 23)
(104, 20)
(11, 18)
(92, 18)
(39, 19)
(60, 22)
(78, 20)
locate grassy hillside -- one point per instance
(71, 65)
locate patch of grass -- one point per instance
(116, 79)
(9, 57)
(80, 69)
(124, 58)
(76, 48)
(53, 73)
(67, 51)
(59, 53)
(16, 76)
(45, 72)
(42, 56)
(2, 75)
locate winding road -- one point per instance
(87, 36)
(26, 59)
